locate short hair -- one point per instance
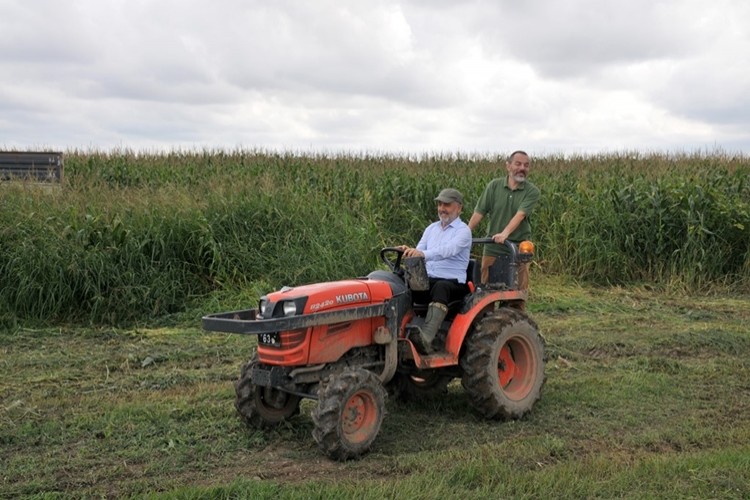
(518, 152)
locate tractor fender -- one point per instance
(478, 305)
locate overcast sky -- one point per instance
(411, 76)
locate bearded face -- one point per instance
(518, 167)
(448, 212)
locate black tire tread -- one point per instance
(247, 406)
(335, 390)
(480, 378)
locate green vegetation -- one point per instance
(646, 397)
(132, 237)
(641, 287)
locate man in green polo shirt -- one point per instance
(508, 203)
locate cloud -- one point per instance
(412, 75)
(579, 38)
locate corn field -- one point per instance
(134, 236)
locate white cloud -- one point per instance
(578, 38)
(380, 75)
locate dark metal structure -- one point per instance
(41, 166)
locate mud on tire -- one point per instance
(503, 364)
(350, 411)
(262, 407)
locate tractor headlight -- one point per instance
(269, 308)
(290, 308)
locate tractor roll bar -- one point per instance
(485, 241)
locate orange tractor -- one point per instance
(347, 345)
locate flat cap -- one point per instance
(450, 195)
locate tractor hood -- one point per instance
(309, 305)
(320, 297)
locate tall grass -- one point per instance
(132, 236)
(671, 221)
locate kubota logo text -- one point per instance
(351, 297)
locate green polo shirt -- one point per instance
(499, 203)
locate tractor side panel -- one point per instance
(329, 342)
(320, 344)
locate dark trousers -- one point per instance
(442, 291)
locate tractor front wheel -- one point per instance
(503, 364)
(351, 407)
(262, 407)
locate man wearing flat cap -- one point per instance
(445, 246)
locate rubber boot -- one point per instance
(435, 316)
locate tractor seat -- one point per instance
(472, 276)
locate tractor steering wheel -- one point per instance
(393, 265)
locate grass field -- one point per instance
(108, 386)
(647, 395)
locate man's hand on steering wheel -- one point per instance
(411, 252)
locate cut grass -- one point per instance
(647, 395)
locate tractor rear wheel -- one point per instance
(351, 407)
(503, 364)
(262, 407)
